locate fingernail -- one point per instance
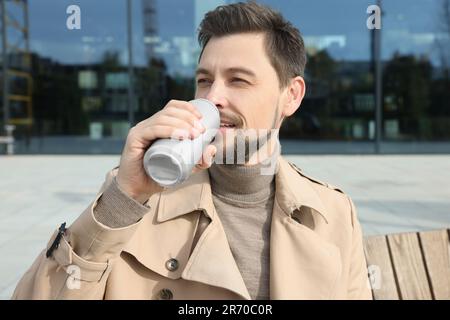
(180, 134)
(195, 132)
(184, 135)
(198, 125)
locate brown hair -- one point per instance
(283, 42)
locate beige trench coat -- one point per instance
(315, 249)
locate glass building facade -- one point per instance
(75, 92)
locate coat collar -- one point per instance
(292, 245)
(293, 191)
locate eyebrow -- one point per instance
(229, 70)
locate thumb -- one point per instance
(206, 159)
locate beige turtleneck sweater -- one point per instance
(243, 199)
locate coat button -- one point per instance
(172, 264)
(165, 294)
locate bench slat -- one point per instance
(436, 246)
(377, 256)
(409, 266)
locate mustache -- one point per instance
(231, 118)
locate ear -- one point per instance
(294, 94)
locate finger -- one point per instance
(186, 106)
(211, 151)
(180, 124)
(174, 122)
(151, 133)
(184, 115)
(207, 158)
(181, 114)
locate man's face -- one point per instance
(235, 73)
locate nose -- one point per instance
(216, 95)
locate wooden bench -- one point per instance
(412, 265)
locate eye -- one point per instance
(199, 81)
(238, 80)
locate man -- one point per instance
(229, 231)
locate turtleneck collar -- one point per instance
(244, 183)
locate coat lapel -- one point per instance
(303, 265)
(212, 262)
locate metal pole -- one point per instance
(26, 34)
(5, 66)
(10, 139)
(130, 66)
(378, 85)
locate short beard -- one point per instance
(242, 136)
(260, 141)
(242, 145)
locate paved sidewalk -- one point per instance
(37, 193)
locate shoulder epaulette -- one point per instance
(300, 171)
